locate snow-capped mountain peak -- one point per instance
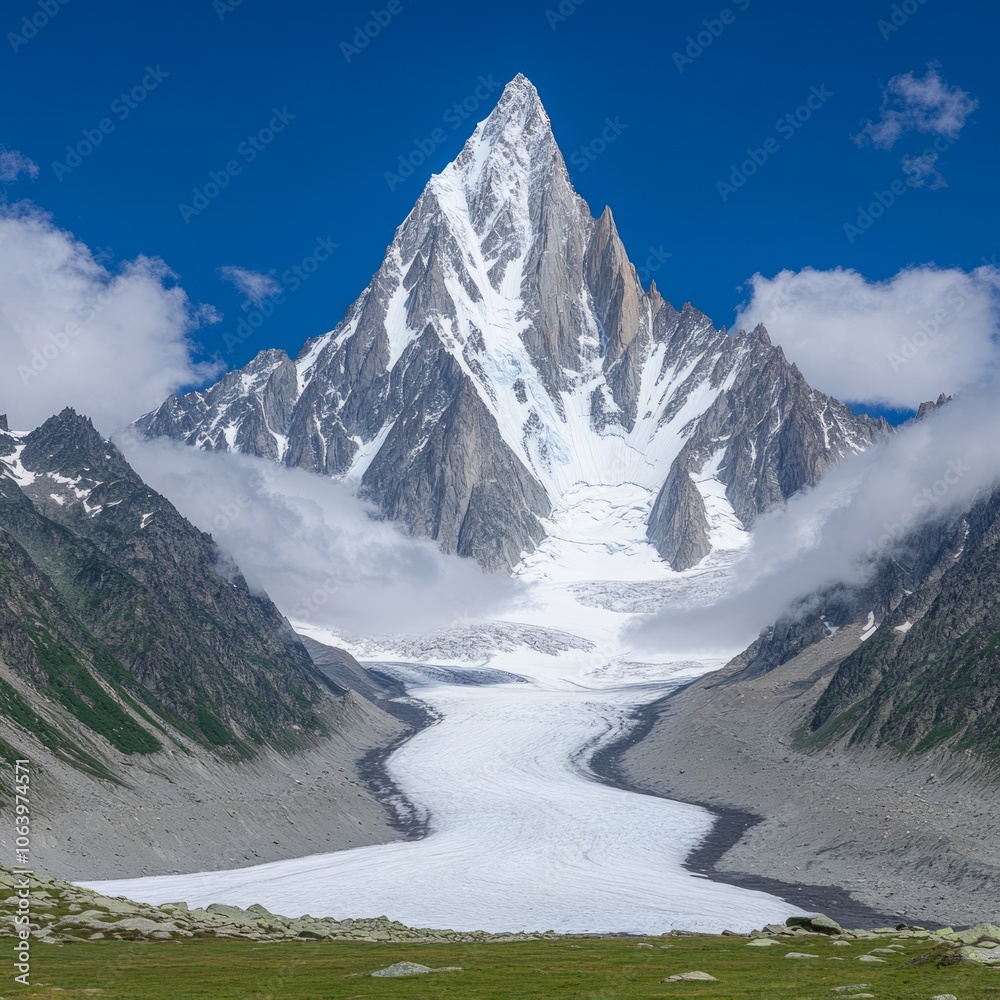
(505, 353)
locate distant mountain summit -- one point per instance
(505, 352)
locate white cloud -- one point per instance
(911, 103)
(863, 508)
(13, 164)
(73, 333)
(309, 543)
(925, 331)
(922, 171)
(254, 285)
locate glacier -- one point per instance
(521, 834)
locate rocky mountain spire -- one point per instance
(506, 351)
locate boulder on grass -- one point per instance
(817, 923)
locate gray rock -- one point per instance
(984, 956)
(978, 933)
(410, 969)
(816, 922)
(699, 977)
(140, 925)
(226, 911)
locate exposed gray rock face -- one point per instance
(625, 316)
(505, 351)
(677, 523)
(457, 481)
(930, 676)
(768, 436)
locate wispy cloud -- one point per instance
(918, 104)
(312, 546)
(13, 164)
(898, 342)
(253, 284)
(922, 171)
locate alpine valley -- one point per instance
(506, 388)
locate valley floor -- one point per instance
(181, 812)
(586, 967)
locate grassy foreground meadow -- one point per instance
(584, 967)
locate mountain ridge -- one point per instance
(150, 635)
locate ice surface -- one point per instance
(522, 834)
(521, 837)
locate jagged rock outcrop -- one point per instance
(765, 437)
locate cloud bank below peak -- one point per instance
(893, 343)
(832, 534)
(312, 546)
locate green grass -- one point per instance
(239, 970)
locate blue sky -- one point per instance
(210, 75)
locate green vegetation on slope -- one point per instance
(116, 610)
(936, 682)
